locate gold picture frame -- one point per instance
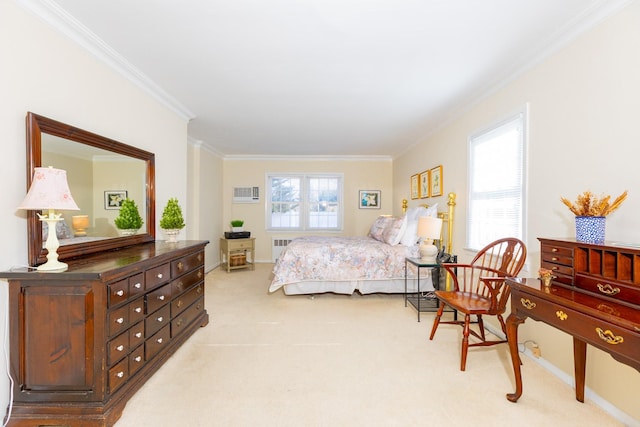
(436, 181)
(415, 186)
(424, 184)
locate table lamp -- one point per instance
(429, 229)
(80, 223)
(49, 191)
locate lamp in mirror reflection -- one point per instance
(80, 223)
(49, 192)
(429, 229)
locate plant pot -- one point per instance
(172, 234)
(128, 231)
(236, 229)
(590, 229)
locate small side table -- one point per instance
(420, 303)
(231, 247)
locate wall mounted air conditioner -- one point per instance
(246, 194)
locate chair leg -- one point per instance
(481, 326)
(465, 341)
(436, 321)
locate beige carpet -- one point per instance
(337, 360)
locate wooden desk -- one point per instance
(593, 299)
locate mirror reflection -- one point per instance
(99, 180)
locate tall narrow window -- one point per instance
(497, 182)
(304, 202)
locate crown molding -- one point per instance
(51, 13)
(309, 158)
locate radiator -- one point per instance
(277, 246)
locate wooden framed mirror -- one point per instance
(98, 168)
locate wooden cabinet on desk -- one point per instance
(85, 340)
(595, 298)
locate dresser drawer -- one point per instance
(557, 254)
(118, 375)
(118, 348)
(158, 298)
(136, 310)
(157, 342)
(187, 263)
(157, 276)
(599, 333)
(136, 335)
(186, 299)
(118, 320)
(136, 284)
(608, 288)
(186, 317)
(157, 319)
(136, 360)
(183, 283)
(118, 292)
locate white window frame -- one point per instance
(483, 227)
(304, 202)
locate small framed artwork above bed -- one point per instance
(435, 182)
(369, 199)
(415, 186)
(424, 184)
(374, 263)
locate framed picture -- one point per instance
(415, 186)
(369, 199)
(114, 199)
(424, 184)
(435, 181)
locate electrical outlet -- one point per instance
(536, 351)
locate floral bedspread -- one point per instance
(320, 258)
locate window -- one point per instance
(497, 182)
(304, 202)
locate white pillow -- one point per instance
(410, 236)
(395, 230)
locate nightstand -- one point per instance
(237, 253)
(420, 302)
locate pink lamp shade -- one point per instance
(49, 190)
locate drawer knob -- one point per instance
(528, 304)
(138, 334)
(180, 266)
(120, 293)
(554, 258)
(159, 276)
(160, 319)
(199, 290)
(138, 310)
(554, 249)
(199, 274)
(179, 303)
(161, 297)
(607, 289)
(138, 358)
(120, 348)
(180, 285)
(120, 320)
(137, 285)
(609, 337)
(561, 315)
(199, 257)
(159, 340)
(120, 374)
(179, 322)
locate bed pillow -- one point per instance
(410, 236)
(378, 227)
(394, 230)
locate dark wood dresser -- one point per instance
(595, 297)
(85, 340)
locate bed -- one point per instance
(368, 264)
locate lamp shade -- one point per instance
(429, 227)
(80, 221)
(49, 190)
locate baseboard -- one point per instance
(602, 403)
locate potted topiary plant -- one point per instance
(172, 220)
(129, 220)
(237, 225)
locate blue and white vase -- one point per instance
(590, 229)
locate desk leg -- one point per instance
(579, 365)
(513, 322)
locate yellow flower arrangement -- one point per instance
(588, 204)
(543, 273)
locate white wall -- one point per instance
(44, 72)
(584, 135)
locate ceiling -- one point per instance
(325, 77)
